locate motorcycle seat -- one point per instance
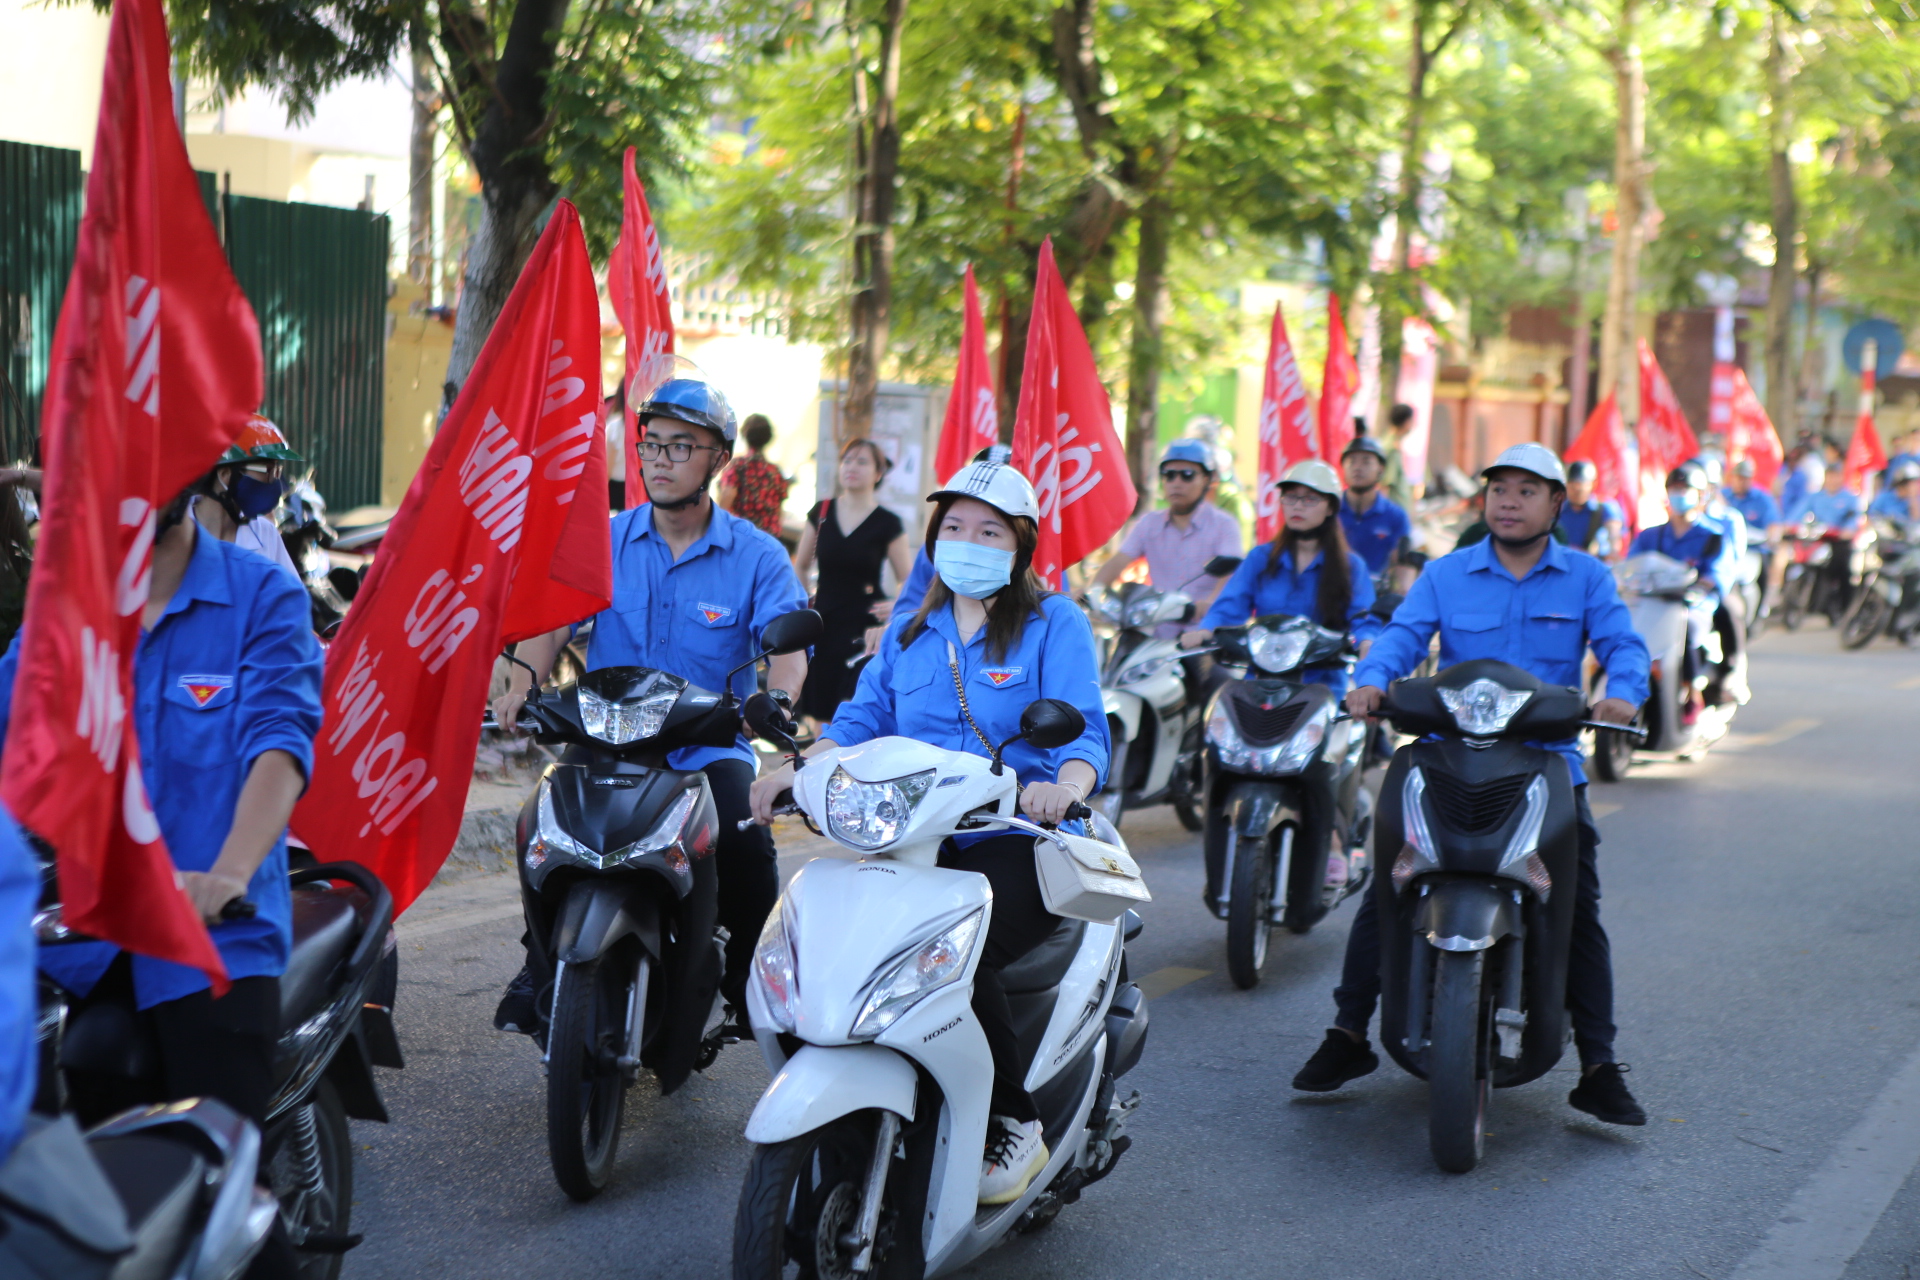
(158, 1181)
(326, 924)
(1042, 968)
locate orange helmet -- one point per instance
(259, 441)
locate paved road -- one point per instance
(1765, 912)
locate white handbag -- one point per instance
(1087, 879)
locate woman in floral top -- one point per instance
(753, 488)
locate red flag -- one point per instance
(973, 416)
(489, 547)
(1750, 432)
(155, 368)
(1603, 442)
(1062, 427)
(637, 288)
(1666, 440)
(1865, 457)
(1338, 382)
(1286, 434)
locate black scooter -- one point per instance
(620, 893)
(1282, 786)
(336, 1015)
(1476, 916)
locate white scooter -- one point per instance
(1662, 593)
(868, 1141)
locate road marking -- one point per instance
(1604, 808)
(1832, 1215)
(434, 926)
(1772, 738)
(1166, 981)
(1911, 682)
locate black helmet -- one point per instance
(1688, 475)
(1581, 469)
(1364, 444)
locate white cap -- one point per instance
(1536, 458)
(992, 481)
(1311, 473)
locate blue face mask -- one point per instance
(1683, 499)
(972, 570)
(253, 497)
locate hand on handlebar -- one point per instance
(1195, 638)
(212, 893)
(764, 796)
(506, 711)
(1363, 702)
(1049, 802)
(1614, 711)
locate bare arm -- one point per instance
(900, 556)
(537, 653)
(787, 671)
(803, 554)
(1113, 568)
(260, 816)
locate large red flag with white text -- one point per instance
(1339, 379)
(973, 416)
(1749, 431)
(1286, 429)
(489, 547)
(1666, 439)
(637, 288)
(1063, 437)
(1603, 442)
(155, 368)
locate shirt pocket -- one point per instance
(197, 719)
(1555, 635)
(1001, 676)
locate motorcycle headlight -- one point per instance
(1145, 610)
(775, 969)
(1484, 707)
(1276, 651)
(871, 815)
(1141, 670)
(1290, 755)
(627, 720)
(925, 969)
(1108, 605)
(550, 838)
(1225, 739)
(664, 838)
(1418, 855)
(1296, 753)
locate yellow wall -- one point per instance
(51, 59)
(418, 346)
(263, 167)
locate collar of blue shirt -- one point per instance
(1481, 559)
(719, 534)
(205, 578)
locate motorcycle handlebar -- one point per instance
(1617, 728)
(525, 724)
(239, 909)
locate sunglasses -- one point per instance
(1180, 473)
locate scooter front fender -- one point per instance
(1124, 707)
(1467, 915)
(818, 1085)
(599, 913)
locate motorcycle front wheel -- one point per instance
(800, 1205)
(585, 1085)
(1612, 754)
(1793, 601)
(1865, 618)
(1457, 1060)
(1249, 909)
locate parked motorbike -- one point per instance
(1887, 601)
(166, 1191)
(867, 1142)
(1477, 915)
(1282, 784)
(336, 1003)
(1679, 714)
(1153, 709)
(618, 885)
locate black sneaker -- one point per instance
(1339, 1058)
(1603, 1095)
(518, 1010)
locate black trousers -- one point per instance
(1589, 965)
(749, 879)
(1020, 923)
(208, 1048)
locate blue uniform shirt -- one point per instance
(19, 894)
(1890, 504)
(1375, 534)
(1582, 525)
(910, 691)
(1706, 545)
(1757, 507)
(230, 671)
(697, 617)
(1799, 483)
(1835, 510)
(1252, 592)
(1542, 623)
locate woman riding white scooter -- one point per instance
(988, 640)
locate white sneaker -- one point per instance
(1015, 1152)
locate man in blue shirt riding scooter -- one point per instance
(1522, 598)
(1712, 547)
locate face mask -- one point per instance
(252, 497)
(1683, 499)
(972, 570)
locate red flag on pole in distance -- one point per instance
(1865, 456)
(1063, 435)
(489, 546)
(973, 416)
(155, 368)
(1603, 442)
(1286, 432)
(1666, 440)
(1750, 432)
(1338, 381)
(637, 288)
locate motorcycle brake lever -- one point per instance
(1617, 728)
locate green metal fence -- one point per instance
(317, 279)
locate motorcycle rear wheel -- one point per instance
(1249, 911)
(1456, 1061)
(798, 1198)
(585, 1087)
(1793, 602)
(1865, 619)
(324, 1209)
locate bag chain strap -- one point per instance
(953, 665)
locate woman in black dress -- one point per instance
(850, 536)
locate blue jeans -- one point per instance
(1589, 965)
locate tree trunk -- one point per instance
(516, 186)
(1149, 319)
(1783, 389)
(426, 102)
(1619, 367)
(878, 144)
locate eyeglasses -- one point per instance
(676, 450)
(1180, 473)
(1306, 499)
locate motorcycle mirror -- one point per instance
(345, 581)
(792, 632)
(1051, 723)
(1221, 566)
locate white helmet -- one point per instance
(1311, 473)
(989, 478)
(1535, 458)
